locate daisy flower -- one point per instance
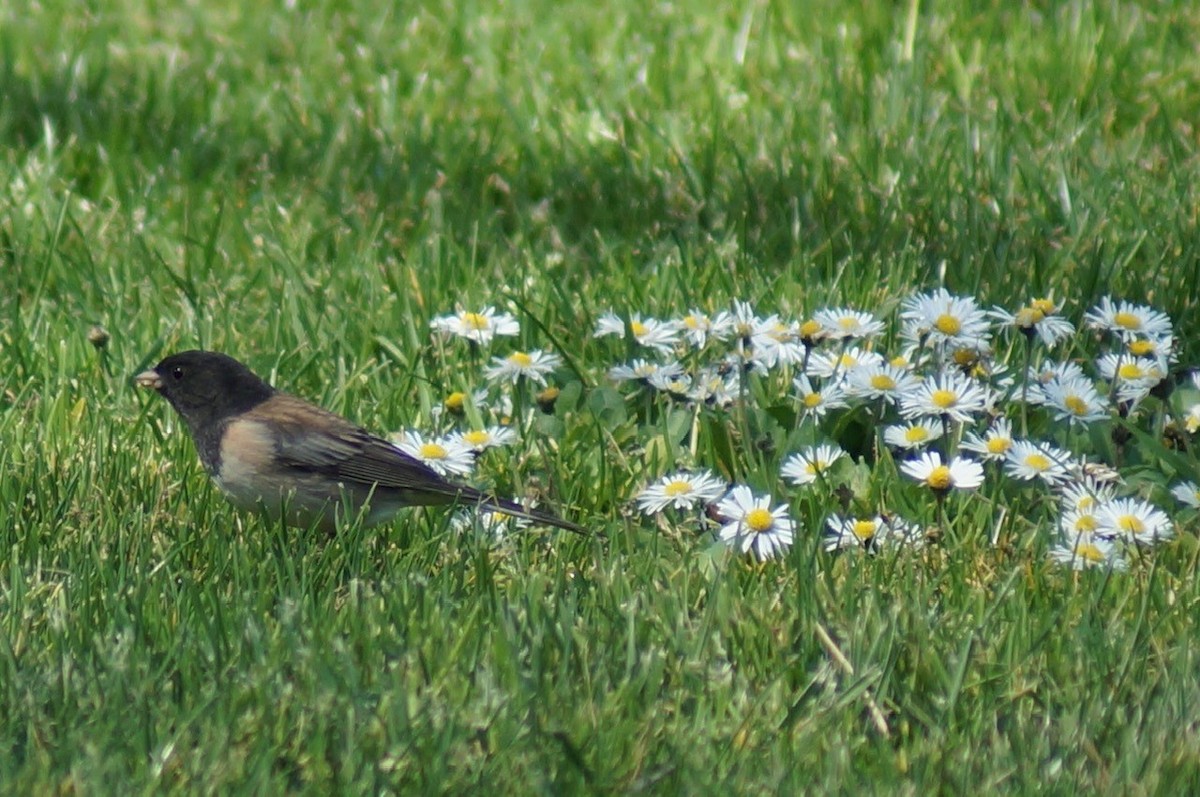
(992, 444)
(1079, 522)
(843, 532)
(681, 491)
(1191, 419)
(900, 533)
(1075, 401)
(946, 395)
(1133, 519)
(1051, 371)
(1187, 493)
(533, 365)
(714, 389)
(1088, 551)
(675, 384)
(496, 525)
(752, 525)
(912, 435)
(1086, 495)
(808, 465)
(944, 320)
(1127, 368)
(644, 370)
(880, 380)
(961, 472)
(1128, 320)
(776, 342)
(609, 324)
(827, 365)
(1027, 460)
(456, 403)
(490, 437)
(1038, 318)
(480, 327)
(816, 402)
(447, 455)
(842, 323)
(697, 327)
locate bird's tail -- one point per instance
(512, 508)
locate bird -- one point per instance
(271, 451)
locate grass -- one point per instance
(307, 187)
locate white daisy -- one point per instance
(912, 435)
(1028, 460)
(1128, 320)
(1187, 493)
(1087, 551)
(681, 491)
(496, 525)
(992, 444)
(480, 327)
(1086, 495)
(1077, 522)
(816, 402)
(842, 323)
(1041, 318)
(1133, 519)
(1126, 368)
(946, 395)
(1076, 401)
(828, 364)
(944, 320)
(675, 384)
(697, 327)
(533, 365)
(488, 437)
(643, 370)
(713, 388)
(750, 524)
(808, 465)
(847, 532)
(880, 381)
(446, 455)
(961, 472)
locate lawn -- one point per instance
(321, 188)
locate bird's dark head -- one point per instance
(205, 386)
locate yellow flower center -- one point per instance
(1131, 371)
(883, 382)
(1127, 321)
(520, 359)
(677, 488)
(899, 361)
(813, 400)
(477, 437)
(1043, 306)
(1038, 462)
(1089, 552)
(964, 358)
(848, 361)
(948, 324)
(916, 434)
(939, 478)
(998, 445)
(864, 529)
(849, 323)
(810, 329)
(433, 451)
(1029, 316)
(638, 328)
(759, 520)
(1076, 405)
(1085, 524)
(694, 322)
(1141, 348)
(1131, 524)
(475, 321)
(944, 399)
(455, 401)
(1085, 503)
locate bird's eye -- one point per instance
(177, 372)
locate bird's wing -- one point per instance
(315, 440)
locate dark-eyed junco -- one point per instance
(271, 451)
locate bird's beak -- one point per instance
(149, 379)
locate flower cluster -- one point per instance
(944, 401)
